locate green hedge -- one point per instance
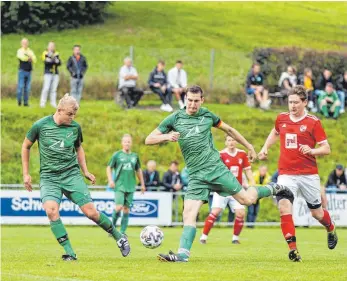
(275, 61)
(36, 17)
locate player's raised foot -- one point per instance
(203, 239)
(171, 257)
(124, 246)
(332, 239)
(294, 256)
(69, 258)
(278, 189)
(235, 242)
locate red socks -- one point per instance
(288, 230)
(238, 226)
(326, 221)
(209, 223)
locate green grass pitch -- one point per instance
(32, 254)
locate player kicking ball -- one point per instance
(61, 158)
(299, 133)
(125, 164)
(236, 161)
(191, 127)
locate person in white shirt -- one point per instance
(127, 83)
(178, 81)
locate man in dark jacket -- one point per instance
(172, 179)
(337, 179)
(151, 175)
(341, 87)
(158, 83)
(77, 66)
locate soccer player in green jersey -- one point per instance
(125, 164)
(61, 158)
(191, 127)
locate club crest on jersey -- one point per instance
(303, 128)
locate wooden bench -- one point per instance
(118, 99)
(281, 97)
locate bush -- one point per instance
(36, 17)
(275, 61)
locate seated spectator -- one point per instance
(323, 79)
(337, 179)
(158, 83)
(288, 80)
(127, 83)
(151, 175)
(307, 81)
(341, 86)
(172, 179)
(255, 87)
(178, 82)
(329, 103)
(261, 177)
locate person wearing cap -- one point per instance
(337, 179)
(329, 102)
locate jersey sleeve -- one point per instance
(113, 161)
(34, 132)
(216, 120)
(245, 162)
(319, 133)
(79, 138)
(138, 164)
(167, 124)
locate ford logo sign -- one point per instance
(143, 208)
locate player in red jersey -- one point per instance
(299, 133)
(236, 161)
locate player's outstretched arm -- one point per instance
(81, 157)
(27, 144)
(239, 138)
(157, 137)
(271, 139)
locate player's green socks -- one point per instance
(105, 223)
(263, 191)
(325, 110)
(60, 233)
(115, 217)
(337, 111)
(186, 241)
(124, 222)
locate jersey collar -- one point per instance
(297, 120)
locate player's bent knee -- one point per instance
(216, 211)
(317, 213)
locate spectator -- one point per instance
(172, 180)
(288, 80)
(307, 81)
(329, 102)
(178, 82)
(337, 179)
(51, 60)
(322, 81)
(151, 175)
(158, 83)
(77, 66)
(255, 87)
(26, 59)
(341, 86)
(261, 177)
(127, 83)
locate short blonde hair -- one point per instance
(126, 136)
(67, 101)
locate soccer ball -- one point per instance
(151, 236)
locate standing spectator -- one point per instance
(127, 83)
(261, 177)
(51, 60)
(255, 87)
(329, 102)
(288, 80)
(172, 179)
(158, 83)
(178, 82)
(77, 66)
(337, 179)
(341, 86)
(307, 81)
(151, 175)
(26, 59)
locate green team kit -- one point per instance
(59, 169)
(125, 165)
(206, 170)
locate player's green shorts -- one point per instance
(215, 178)
(70, 183)
(123, 198)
